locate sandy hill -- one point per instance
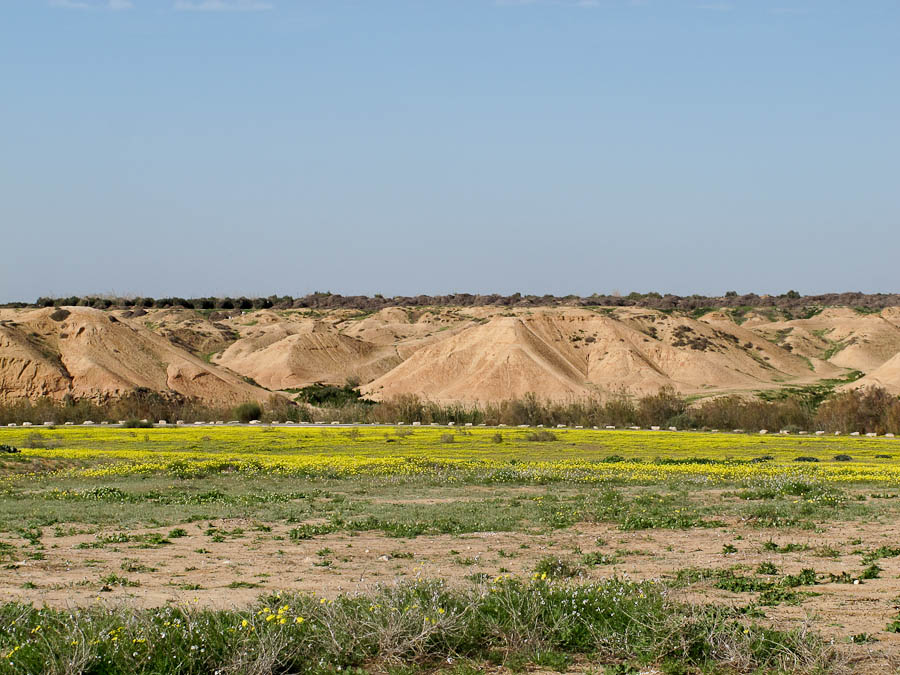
(89, 353)
(501, 359)
(845, 337)
(294, 355)
(572, 353)
(474, 353)
(887, 376)
(185, 328)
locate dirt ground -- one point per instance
(233, 573)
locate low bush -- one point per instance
(247, 412)
(541, 436)
(137, 424)
(330, 396)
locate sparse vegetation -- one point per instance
(504, 523)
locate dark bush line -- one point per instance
(615, 622)
(868, 410)
(693, 303)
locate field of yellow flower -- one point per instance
(491, 455)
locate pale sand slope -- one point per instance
(283, 356)
(89, 353)
(501, 359)
(886, 376)
(574, 353)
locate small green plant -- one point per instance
(116, 580)
(894, 625)
(550, 567)
(777, 595)
(879, 553)
(827, 552)
(131, 565)
(806, 577)
(862, 639)
(790, 547)
(768, 568)
(401, 555)
(598, 558)
(871, 572)
(842, 578)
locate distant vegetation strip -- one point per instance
(696, 304)
(810, 408)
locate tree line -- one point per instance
(791, 300)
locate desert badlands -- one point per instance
(443, 354)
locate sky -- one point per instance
(258, 147)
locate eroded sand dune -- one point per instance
(88, 353)
(445, 354)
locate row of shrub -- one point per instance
(790, 300)
(867, 410)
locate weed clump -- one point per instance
(551, 567)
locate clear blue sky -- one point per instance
(166, 147)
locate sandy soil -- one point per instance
(195, 570)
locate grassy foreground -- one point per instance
(406, 550)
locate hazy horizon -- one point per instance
(242, 147)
